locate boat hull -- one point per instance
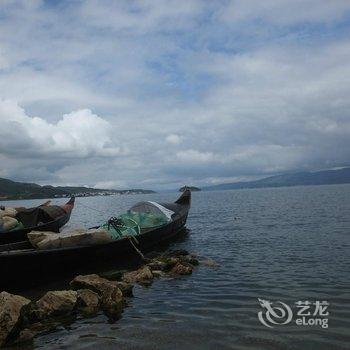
(21, 267)
(40, 266)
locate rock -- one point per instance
(12, 308)
(112, 301)
(99, 284)
(56, 303)
(181, 269)
(111, 297)
(93, 282)
(88, 301)
(125, 287)
(142, 276)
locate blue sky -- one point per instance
(158, 94)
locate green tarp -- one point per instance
(131, 223)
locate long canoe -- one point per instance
(20, 262)
(45, 217)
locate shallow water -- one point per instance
(285, 244)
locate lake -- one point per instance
(281, 245)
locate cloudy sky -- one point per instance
(157, 94)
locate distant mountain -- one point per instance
(325, 177)
(192, 188)
(20, 190)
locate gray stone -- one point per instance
(12, 308)
(111, 297)
(142, 276)
(56, 303)
(88, 301)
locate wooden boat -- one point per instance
(19, 261)
(45, 217)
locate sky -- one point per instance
(158, 94)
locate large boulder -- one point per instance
(56, 303)
(142, 276)
(12, 308)
(112, 302)
(111, 296)
(88, 301)
(93, 282)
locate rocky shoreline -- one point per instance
(21, 319)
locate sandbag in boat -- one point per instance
(143, 216)
(80, 237)
(8, 221)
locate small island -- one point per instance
(191, 188)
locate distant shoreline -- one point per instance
(274, 187)
(325, 177)
(12, 190)
(77, 196)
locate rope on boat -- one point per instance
(138, 251)
(116, 224)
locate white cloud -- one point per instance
(78, 134)
(173, 139)
(286, 12)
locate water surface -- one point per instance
(284, 244)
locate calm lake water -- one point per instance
(285, 244)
